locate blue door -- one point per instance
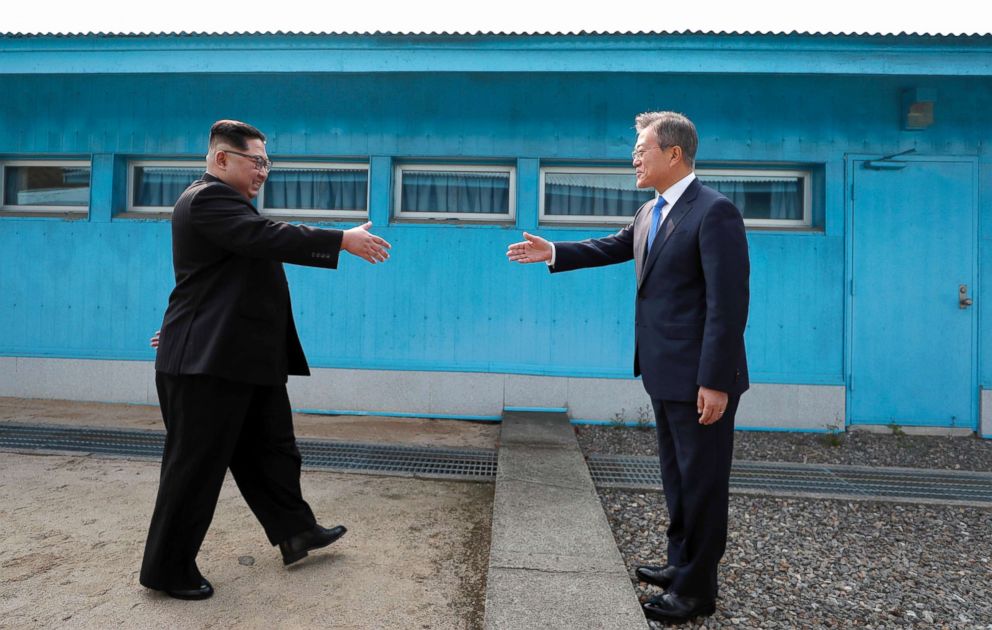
(912, 280)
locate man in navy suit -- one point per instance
(691, 261)
(227, 344)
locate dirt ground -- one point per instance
(380, 429)
(73, 530)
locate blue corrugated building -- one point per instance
(861, 163)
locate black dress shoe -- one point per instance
(297, 547)
(203, 591)
(659, 576)
(674, 608)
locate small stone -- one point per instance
(246, 561)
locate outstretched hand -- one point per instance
(153, 342)
(358, 241)
(533, 249)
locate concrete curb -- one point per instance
(553, 562)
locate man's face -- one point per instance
(652, 163)
(241, 173)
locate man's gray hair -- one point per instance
(672, 129)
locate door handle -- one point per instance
(963, 300)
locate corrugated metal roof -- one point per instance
(684, 51)
(494, 34)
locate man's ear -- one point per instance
(677, 153)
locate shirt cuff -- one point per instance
(551, 263)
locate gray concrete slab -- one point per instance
(553, 562)
(520, 598)
(527, 429)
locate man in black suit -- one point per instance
(228, 342)
(691, 261)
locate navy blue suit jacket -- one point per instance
(692, 293)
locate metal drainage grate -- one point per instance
(466, 464)
(620, 471)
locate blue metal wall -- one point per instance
(448, 300)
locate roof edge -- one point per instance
(470, 34)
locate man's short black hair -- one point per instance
(234, 132)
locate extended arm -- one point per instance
(593, 252)
(225, 218)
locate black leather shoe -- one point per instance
(201, 592)
(659, 576)
(673, 608)
(297, 547)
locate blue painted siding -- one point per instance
(448, 300)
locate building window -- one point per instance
(45, 186)
(291, 189)
(156, 186)
(316, 189)
(590, 195)
(766, 198)
(461, 192)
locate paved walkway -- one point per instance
(553, 561)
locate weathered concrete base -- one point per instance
(985, 413)
(553, 561)
(78, 379)
(883, 429)
(773, 406)
(465, 394)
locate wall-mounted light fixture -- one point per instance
(917, 108)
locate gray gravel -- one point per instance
(813, 563)
(854, 448)
(798, 563)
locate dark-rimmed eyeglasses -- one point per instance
(261, 163)
(639, 153)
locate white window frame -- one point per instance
(260, 200)
(135, 164)
(43, 209)
(805, 176)
(310, 212)
(508, 217)
(571, 218)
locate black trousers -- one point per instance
(695, 472)
(213, 424)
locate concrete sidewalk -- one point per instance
(553, 562)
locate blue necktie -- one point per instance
(655, 221)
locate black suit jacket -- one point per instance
(229, 314)
(692, 293)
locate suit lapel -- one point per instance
(642, 223)
(682, 207)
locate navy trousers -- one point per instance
(213, 424)
(695, 471)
